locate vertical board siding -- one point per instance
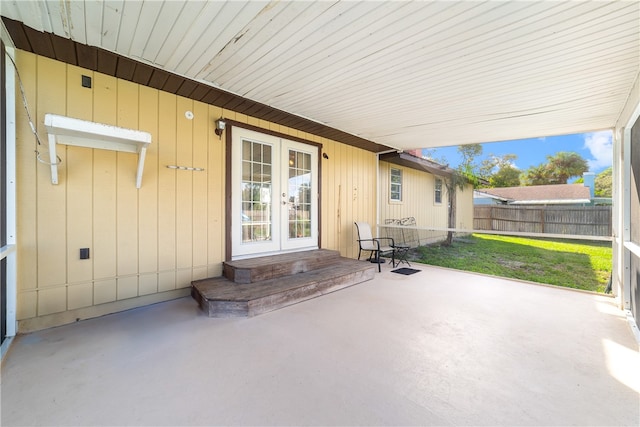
(126, 196)
(199, 230)
(104, 189)
(167, 192)
(418, 201)
(464, 203)
(215, 189)
(184, 191)
(348, 195)
(26, 188)
(51, 205)
(170, 231)
(79, 189)
(580, 220)
(148, 195)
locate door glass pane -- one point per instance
(299, 195)
(256, 192)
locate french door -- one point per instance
(274, 194)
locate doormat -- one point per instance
(405, 271)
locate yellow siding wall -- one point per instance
(464, 202)
(147, 242)
(418, 201)
(348, 194)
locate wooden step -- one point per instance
(271, 267)
(220, 297)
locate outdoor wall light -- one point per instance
(220, 125)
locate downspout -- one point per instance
(378, 183)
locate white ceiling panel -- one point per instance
(93, 10)
(144, 27)
(111, 18)
(171, 31)
(403, 74)
(129, 18)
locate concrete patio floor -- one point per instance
(436, 348)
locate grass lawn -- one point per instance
(570, 263)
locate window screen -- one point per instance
(396, 185)
(438, 191)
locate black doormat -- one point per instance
(405, 271)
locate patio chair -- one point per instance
(376, 245)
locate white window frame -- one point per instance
(437, 190)
(392, 184)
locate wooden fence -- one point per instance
(578, 220)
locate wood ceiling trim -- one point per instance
(103, 61)
(186, 88)
(87, 56)
(19, 37)
(236, 104)
(142, 74)
(42, 45)
(125, 68)
(200, 92)
(172, 84)
(223, 99)
(211, 96)
(158, 79)
(107, 62)
(64, 49)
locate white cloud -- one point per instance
(600, 145)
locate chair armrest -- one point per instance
(369, 240)
(385, 238)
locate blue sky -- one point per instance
(595, 147)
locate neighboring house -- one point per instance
(560, 194)
(411, 186)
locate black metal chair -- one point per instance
(375, 245)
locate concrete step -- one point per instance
(271, 267)
(220, 297)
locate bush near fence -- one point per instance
(579, 220)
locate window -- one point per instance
(438, 192)
(396, 185)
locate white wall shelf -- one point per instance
(82, 133)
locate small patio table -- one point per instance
(401, 252)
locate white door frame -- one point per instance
(279, 241)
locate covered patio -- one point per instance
(334, 86)
(439, 347)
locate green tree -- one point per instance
(454, 182)
(469, 153)
(604, 183)
(558, 169)
(566, 164)
(506, 176)
(536, 175)
(499, 171)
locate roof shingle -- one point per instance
(562, 193)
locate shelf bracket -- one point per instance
(82, 133)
